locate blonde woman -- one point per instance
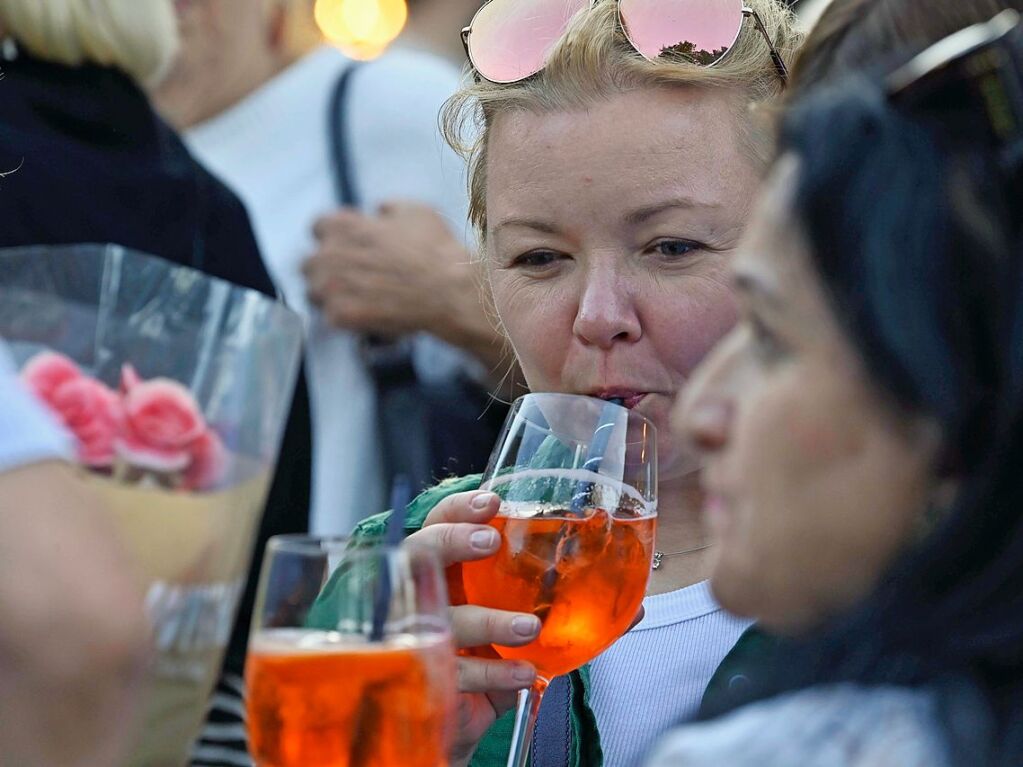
(610, 185)
(96, 164)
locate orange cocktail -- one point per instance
(583, 576)
(319, 699)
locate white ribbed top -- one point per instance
(654, 677)
(28, 433)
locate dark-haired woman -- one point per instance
(862, 429)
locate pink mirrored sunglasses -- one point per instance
(510, 40)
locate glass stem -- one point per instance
(525, 722)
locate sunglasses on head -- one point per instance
(977, 71)
(511, 40)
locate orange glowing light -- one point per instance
(361, 28)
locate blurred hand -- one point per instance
(73, 633)
(457, 531)
(400, 272)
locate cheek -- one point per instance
(824, 498)
(538, 321)
(686, 322)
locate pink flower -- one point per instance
(162, 419)
(45, 372)
(209, 462)
(93, 413)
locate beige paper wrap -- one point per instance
(193, 551)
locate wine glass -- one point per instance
(577, 478)
(351, 660)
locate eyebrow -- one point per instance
(641, 215)
(527, 223)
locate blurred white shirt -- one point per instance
(28, 433)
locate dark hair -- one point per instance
(852, 35)
(914, 230)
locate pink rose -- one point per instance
(209, 462)
(93, 413)
(162, 419)
(45, 372)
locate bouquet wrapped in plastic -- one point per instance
(176, 387)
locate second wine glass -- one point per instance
(351, 662)
(577, 478)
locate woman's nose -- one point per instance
(705, 409)
(707, 425)
(606, 314)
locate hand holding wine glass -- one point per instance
(458, 530)
(577, 482)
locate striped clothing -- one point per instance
(223, 739)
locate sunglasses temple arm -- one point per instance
(465, 43)
(779, 63)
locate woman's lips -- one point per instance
(630, 399)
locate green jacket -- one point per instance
(585, 738)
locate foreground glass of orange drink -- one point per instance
(577, 477)
(373, 683)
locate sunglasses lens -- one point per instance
(701, 30)
(510, 39)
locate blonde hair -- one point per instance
(594, 60)
(139, 37)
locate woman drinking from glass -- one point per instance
(617, 155)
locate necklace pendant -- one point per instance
(658, 556)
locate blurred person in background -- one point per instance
(267, 113)
(97, 165)
(862, 427)
(73, 634)
(258, 97)
(403, 268)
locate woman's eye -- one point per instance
(675, 249)
(536, 259)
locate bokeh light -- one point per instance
(361, 28)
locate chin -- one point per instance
(735, 591)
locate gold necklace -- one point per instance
(660, 556)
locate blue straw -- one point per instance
(595, 455)
(401, 495)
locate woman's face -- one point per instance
(813, 483)
(608, 241)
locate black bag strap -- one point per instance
(401, 413)
(552, 737)
(344, 174)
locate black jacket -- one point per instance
(94, 164)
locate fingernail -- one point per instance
(524, 674)
(526, 625)
(481, 502)
(483, 540)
